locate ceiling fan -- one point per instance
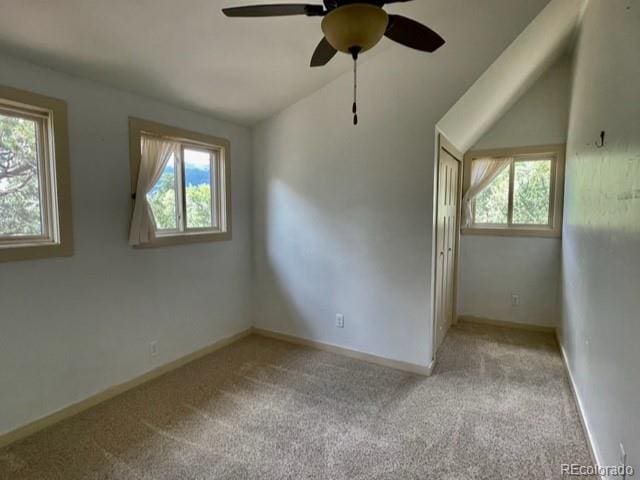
(350, 26)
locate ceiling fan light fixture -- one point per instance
(358, 25)
(352, 27)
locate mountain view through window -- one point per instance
(163, 198)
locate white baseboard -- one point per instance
(366, 357)
(75, 408)
(579, 405)
(503, 323)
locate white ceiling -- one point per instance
(185, 52)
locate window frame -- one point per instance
(555, 153)
(219, 148)
(50, 116)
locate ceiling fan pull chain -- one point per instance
(354, 108)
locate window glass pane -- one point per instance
(20, 205)
(163, 198)
(531, 188)
(197, 181)
(492, 204)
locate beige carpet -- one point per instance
(497, 407)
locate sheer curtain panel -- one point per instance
(155, 153)
(483, 172)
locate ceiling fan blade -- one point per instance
(412, 34)
(275, 10)
(330, 4)
(323, 53)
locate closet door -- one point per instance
(446, 242)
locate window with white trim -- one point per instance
(523, 198)
(187, 197)
(190, 200)
(34, 184)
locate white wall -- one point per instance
(492, 268)
(342, 214)
(71, 327)
(539, 116)
(601, 245)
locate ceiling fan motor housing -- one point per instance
(355, 26)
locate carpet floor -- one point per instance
(498, 406)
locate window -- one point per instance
(523, 195)
(190, 198)
(35, 212)
(184, 199)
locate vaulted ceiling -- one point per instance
(185, 52)
(549, 35)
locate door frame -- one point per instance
(442, 144)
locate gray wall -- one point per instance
(601, 243)
(492, 268)
(343, 215)
(71, 327)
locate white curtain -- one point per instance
(155, 154)
(483, 172)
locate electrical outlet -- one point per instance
(153, 348)
(515, 299)
(339, 320)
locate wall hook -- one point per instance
(601, 140)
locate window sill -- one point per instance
(186, 239)
(513, 232)
(35, 251)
